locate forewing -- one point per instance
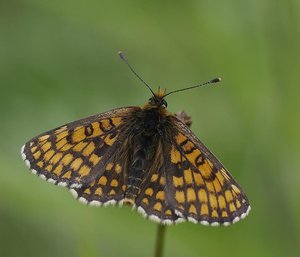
(76, 154)
(201, 188)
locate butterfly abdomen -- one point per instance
(137, 169)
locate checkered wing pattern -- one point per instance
(79, 154)
(200, 188)
(152, 201)
(108, 188)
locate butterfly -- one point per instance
(145, 157)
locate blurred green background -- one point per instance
(59, 63)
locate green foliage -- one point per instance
(58, 63)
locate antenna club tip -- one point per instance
(216, 80)
(122, 55)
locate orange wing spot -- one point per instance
(224, 214)
(188, 176)
(87, 191)
(228, 196)
(78, 135)
(160, 195)
(61, 143)
(58, 131)
(154, 178)
(192, 157)
(79, 146)
(112, 192)
(235, 189)
(49, 168)
(149, 191)
(232, 207)
(40, 164)
(178, 181)
(220, 177)
(175, 155)
(118, 168)
(124, 188)
(179, 196)
(48, 155)
(96, 129)
(213, 201)
(114, 183)
(89, 149)
(94, 159)
(191, 195)
(76, 163)
(116, 121)
(43, 138)
(98, 191)
(188, 146)
(102, 181)
(192, 209)
(180, 138)
(61, 135)
(105, 124)
(217, 185)
(168, 212)
(162, 181)
(157, 206)
(225, 174)
(109, 141)
(202, 195)
(222, 202)
(33, 149)
(210, 186)
(58, 169)
(234, 194)
(109, 166)
(46, 146)
(145, 201)
(67, 159)
(84, 171)
(238, 204)
(205, 169)
(37, 154)
(66, 147)
(204, 209)
(198, 179)
(56, 158)
(214, 214)
(67, 175)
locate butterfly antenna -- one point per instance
(213, 81)
(123, 57)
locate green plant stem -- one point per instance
(160, 239)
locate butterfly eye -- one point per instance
(164, 104)
(151, 100)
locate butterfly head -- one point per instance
(157, 100)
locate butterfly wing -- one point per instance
(79, 153)
(152, 200)
(200, 188)
(108, 188)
